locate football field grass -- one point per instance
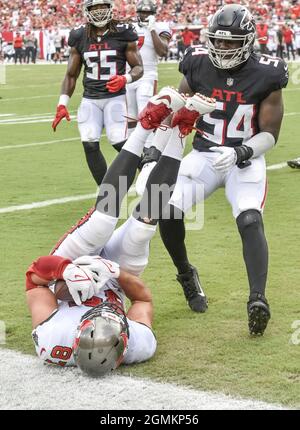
(211, 351)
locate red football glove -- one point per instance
(185, 119)
(61, 112)
(116, 83)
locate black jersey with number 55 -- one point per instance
(238, 93)
(102, 57)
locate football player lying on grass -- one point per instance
(93, 330)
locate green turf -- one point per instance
(212, 351)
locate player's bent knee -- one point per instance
(91, 146)
(249, 218)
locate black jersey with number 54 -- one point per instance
(238, 93)
(102, 57)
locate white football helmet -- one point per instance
(98, 17)
(101, 340)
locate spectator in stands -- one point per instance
(288, 37)
(262, 34)
(188, 37)
(18, 47)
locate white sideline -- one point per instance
(63, 200)
(28, 384)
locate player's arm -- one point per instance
(271, 114)
(269, 122)
(72, 74)
(134, 59)
(68, 87)
(41, 301)
(160, 43)
(141, 309)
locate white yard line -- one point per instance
(70, 199)
(40, 384)
(45, 203)
(49, 142)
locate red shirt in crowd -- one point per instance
(18, 42)
(187, 36)
(262, 33)
(288, 35)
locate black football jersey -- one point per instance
(238, 94)
(102, 57)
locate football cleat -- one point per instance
(294, 164)
(159, 107)
(258, 314)
(193, 292)
(194, 107)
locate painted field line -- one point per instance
(69, 199)
(277, 166)
(110, 393)
(45, 203)
(49, 142)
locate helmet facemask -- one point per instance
(98, 17)
(146, 6)
(231, 23)
(229, 58)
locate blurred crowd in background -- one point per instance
(38, 29)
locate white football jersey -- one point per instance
(297, 35)
(145, 44)
(272, 40)
(55, 337)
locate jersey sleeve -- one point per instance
(163, 29)
(75, 37)
(190, 65)
(127, 33)
(281, 78)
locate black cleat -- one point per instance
(295, 164)
(258, 314)
(193, 292)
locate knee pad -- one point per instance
(249, 218)
(91, 146)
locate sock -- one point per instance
(129, 245)
(161, 181)
(255, 249)
(161, 138)
(175, 145)
(88, 236)
(172, 232)
(95, 160)
(135, 143)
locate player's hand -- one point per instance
(116, 83)
(195, 106)
(226, 159)
(61, 112)
(79, 280)
(151, 22)
(99, 266)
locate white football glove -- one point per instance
(101, 268)
(79, 280)
(226, 160)
(151, 22)
(200, 103)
